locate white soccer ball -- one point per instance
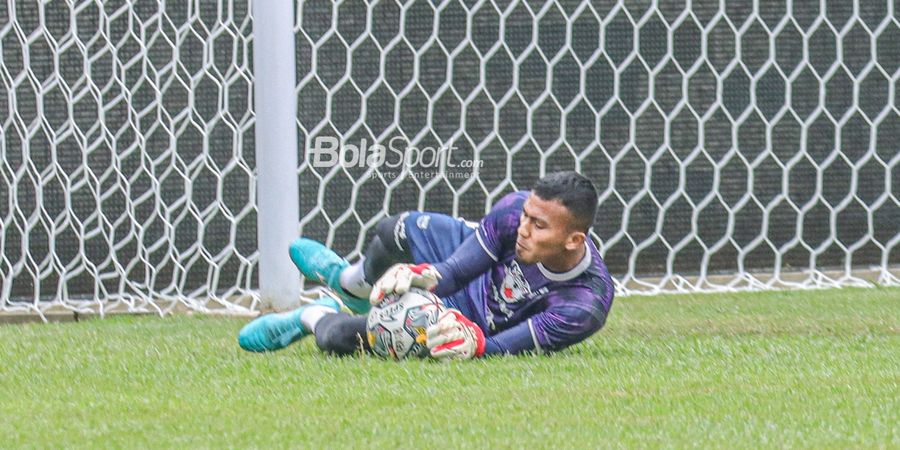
(396, 326)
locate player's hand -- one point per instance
(401, 277)
(454, 337)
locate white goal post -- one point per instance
(159, 155)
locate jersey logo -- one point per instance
(514, 287)
(422, 221)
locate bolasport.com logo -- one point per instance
(396, 158)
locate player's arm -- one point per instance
(496, 231)
(551, 330)
(456, 337)
(472, 258)
(466, 263)
(444, 278)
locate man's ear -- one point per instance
(575, 240)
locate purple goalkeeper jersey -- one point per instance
(519, 306)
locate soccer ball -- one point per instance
(396, 326)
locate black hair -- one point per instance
(575, 192)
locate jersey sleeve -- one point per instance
(564, 324)
(498, 229)
(481, 250)
(466, 263)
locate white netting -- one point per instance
(125, 179)
(735, 145)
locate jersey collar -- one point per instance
(571, 273)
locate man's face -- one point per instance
(544, 230)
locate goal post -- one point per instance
(160, 155)
(276, 150)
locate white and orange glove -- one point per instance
(401, 277)
(454, 337)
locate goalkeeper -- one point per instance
(526, 278)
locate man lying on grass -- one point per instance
(526, 278)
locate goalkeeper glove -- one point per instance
(401, 277)
(454, 337)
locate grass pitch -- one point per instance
(812, 369)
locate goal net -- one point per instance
(126, 177)
(736, 145)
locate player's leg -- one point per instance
(424, 237)
(336, 332)
(276, 331)
(321, 264)
(411, 237)
(342, 334)
(351, 282)
(359, 277)
(387, 248)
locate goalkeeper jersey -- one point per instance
(523, 307)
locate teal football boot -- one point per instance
(276, 331)
(321, 264)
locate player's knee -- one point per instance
(387, 248)
(340, 334)
(388, 232)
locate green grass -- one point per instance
(814, 369)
